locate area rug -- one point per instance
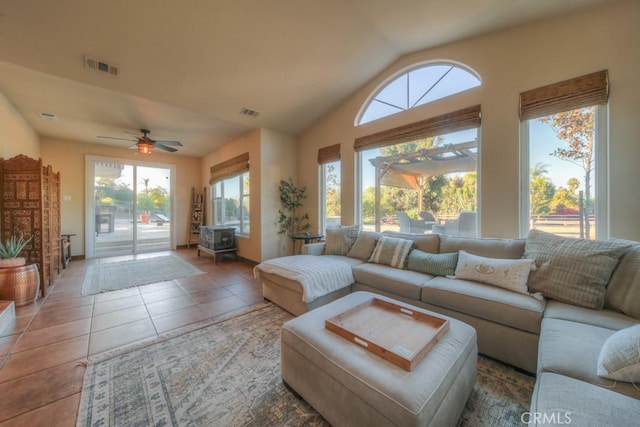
(227, 373)
(111, 276)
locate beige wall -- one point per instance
(68, 158)
(510, 62)
(272, 158)
(16, 135)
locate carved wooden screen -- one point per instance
(23, 209)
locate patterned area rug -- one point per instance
(227, 373)
(111, 276)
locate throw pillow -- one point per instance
(364, 245)
(575, 271)
(434, 264)
(391, 251)
(509, 274)
(340, 239)
(623, 290)
(619, 357)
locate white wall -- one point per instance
(16, 135)
(510, 62)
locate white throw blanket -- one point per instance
(317, 275)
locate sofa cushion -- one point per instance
(424, 242)
(603, 318)
(364, 245)
(578, 403)
(485, 301)
(491, 248)
(404, 283)
(571, 270)
(623, 290)
(434, 264)
(510, 274)
(391, 251)
(619, 358)
(340, 239)
(572, 349)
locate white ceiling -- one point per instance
(188, 67)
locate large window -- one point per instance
(420, 85)
(422, 177)
(329, 171)
(330, 194)
(231, 203)
(564, 158)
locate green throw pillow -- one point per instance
(575, 271)
(434, 264)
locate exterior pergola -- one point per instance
(412, 170)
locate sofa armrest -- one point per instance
(313, 248)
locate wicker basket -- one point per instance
(19, 284)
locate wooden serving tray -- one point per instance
(401, 335)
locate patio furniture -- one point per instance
(410, 225)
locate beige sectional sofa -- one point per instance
(558, 341)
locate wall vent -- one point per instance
(48, 116)
(96, 64)
(249, 112)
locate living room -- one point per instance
(598, 36)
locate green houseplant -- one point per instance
(291, 197)
(10, 251)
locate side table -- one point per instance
(306, 237)
(65, 249)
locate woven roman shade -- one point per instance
(329, 154)
(580, 92)
(229, 168)
(466, 118)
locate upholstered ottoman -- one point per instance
(350, 386)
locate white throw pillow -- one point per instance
(510, 274)
(619, 357)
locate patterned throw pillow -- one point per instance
(364, 245)
(434, 264)
(340, 239)
(509, 274)
(575, 271)
(619, 357)
(391, 251)
(623, 290)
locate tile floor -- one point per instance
(43, 353)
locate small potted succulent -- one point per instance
(10, 251)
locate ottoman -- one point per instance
(350, 386)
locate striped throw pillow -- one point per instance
(434, 264)
(391, 251)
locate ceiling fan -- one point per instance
(146, 145)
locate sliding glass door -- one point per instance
(129, 207)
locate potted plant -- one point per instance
(18, 282)
(10, 251)
(291, 198)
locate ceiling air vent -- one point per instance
(249, 112)
(96, 64)
(48, 116)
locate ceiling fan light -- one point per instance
(145, 148)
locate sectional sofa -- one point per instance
(564, 309)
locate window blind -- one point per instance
(229, 168)
(580, 92)
(329, 154)
(466, 118)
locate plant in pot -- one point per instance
(10, 251)
(291, 197)
(18, 282)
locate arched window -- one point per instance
(418, 86)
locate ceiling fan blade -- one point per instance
(165, 148)
(133, 147)
(110, 137)
(136, 134)
(176, 143)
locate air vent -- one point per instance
(249, 112)
(48, 116)
(96, 64)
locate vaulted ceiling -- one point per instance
(187, 68)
